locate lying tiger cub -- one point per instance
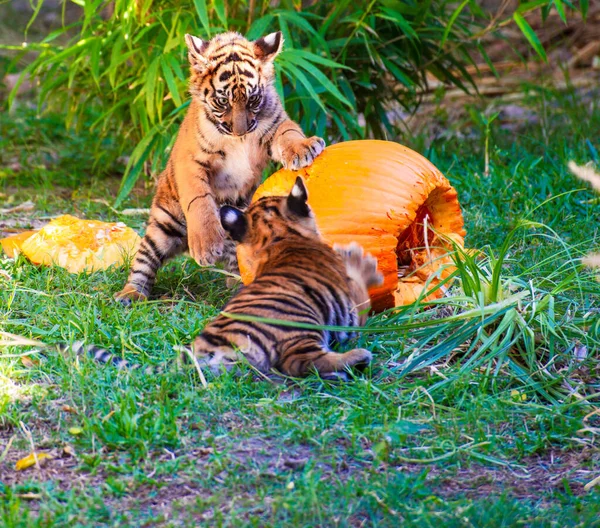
(298, 278)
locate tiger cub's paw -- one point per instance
(301, 152)
(359, 358)
(128, 295)
(206, 243)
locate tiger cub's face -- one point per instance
(232, 78)
(267, 221)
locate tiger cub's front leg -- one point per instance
(292, 148)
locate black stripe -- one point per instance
(229, 325)
(145, 253)
(171, 216)
(293, 130)
(169, 230)
(200, 196)
(251, 299)
(214, 340)
(273, 125)
(211, 118)
(158, 254)
(205, 165)
(279, 311)
(243, 53)
(207, 142)
(144, 261)
(143, 273)
(249, 331)
(225, 75)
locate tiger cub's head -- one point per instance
(232, 77)
(269, 220)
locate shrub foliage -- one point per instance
(344, 62)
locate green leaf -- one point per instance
(294, 57)
(176, 67)
(401, 22)
(584, 5)
(298, 75)
(561, 10)
(453, 18)
(259, 27)
(170, 80)
(525, 7)
(219, 6)
(95, 61)
(530, 36)
(202, 11)
(313, 57)
(136, 164)
(150, 85)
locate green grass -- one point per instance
(466, 441)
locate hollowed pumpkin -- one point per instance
(75, 244)
(381, 195)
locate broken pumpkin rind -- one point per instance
(77, 245)
(381, 194)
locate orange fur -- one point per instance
(298, 278)
(234, 124)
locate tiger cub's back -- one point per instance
(299, 279)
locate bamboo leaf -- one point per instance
(453, 18)
(259, 27)
(170, 80)
(150, 86)
(530, 35)
(219, 6)
(202, 12)
(298, 75)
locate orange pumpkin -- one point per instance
(75, 244)
(381, 195)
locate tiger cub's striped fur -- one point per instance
(234, 124)
(298, 278)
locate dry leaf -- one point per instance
(29, 461)
(69, 451)
(7, 339)
(29, 496)
(29, 362)
(69, 409)
(75, 430)
(25, 206)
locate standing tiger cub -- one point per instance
(298, 278)
(234, 124)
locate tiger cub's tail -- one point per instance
(99, 354)
(359, 267)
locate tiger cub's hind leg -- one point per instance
(299, 358)
(166, 236)
(230, 263)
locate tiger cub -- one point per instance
(298, 278)
(234, 124)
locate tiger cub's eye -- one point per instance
(222, 101)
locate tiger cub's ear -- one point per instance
(196, 48)
(267, 48)
(296, 200)
(234, 222)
